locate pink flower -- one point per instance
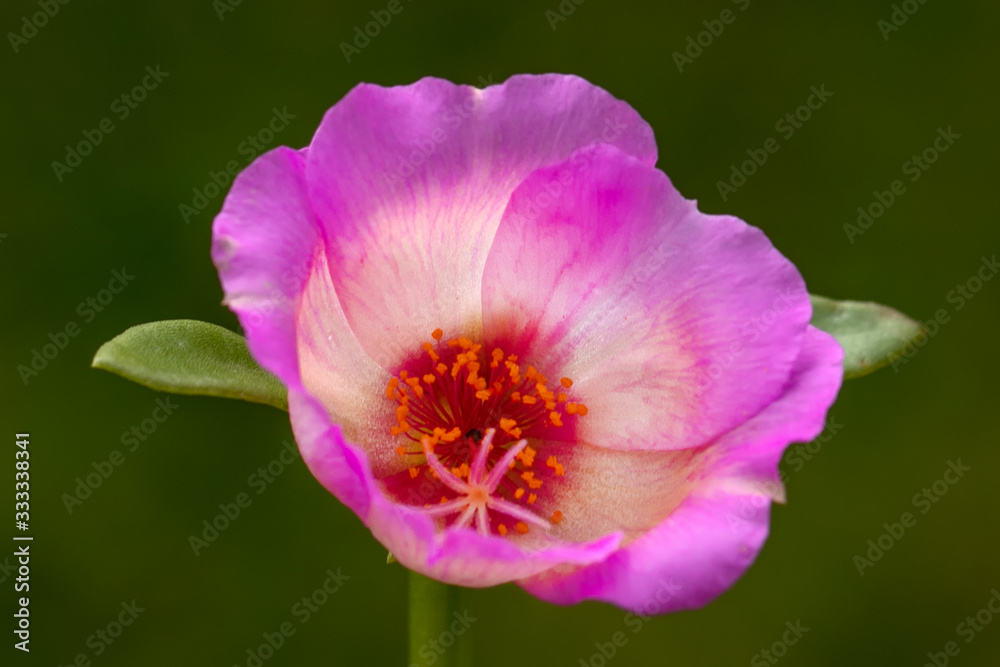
(515, 351)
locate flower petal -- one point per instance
(263, 243)
(605, 490)
(675, 326)
(410, 183)
(753, 450)
(710, 539)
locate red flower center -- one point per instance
(462, 412)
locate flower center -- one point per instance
(459, 412)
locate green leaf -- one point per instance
(871, 334)
(190, 357)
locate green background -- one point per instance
(119, 208)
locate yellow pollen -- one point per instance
(429, 349)
(390, 391)
(553, 463)
(515, 397)
(533, 483)
(562, 397)
(557, 516)
(437, 334)
(443, 500)
(502, 529)
(415, 384)
(566, 382)
(414, 472)
(429, 378)
(521, 527)
(532, 498)
(484, 394)
(515, 372)
(529, 400)
(555, 418)
(441, 368)
(527, 456)
(519, 493)
(510, 426)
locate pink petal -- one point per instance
(709, 540)
(410, 183)
(604, 273)
(263, 245)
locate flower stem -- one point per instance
(437, 624)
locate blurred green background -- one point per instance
(228, 70)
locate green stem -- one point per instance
(436, 624)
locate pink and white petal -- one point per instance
(676, 326)
(752, 451)
(339, 466)
(698, 552)
(337, 370)
(707, 542)
(264, 245)
(410, 183)
(612, 490)
(466, 558)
